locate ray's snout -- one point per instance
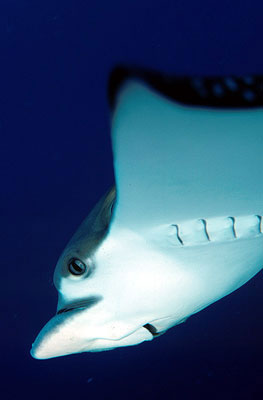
(63, 334)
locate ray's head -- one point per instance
(100, 279)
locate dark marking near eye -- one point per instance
(89, 236)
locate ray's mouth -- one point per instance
(93, 300)
(81, 305)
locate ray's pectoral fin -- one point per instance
(176, 162)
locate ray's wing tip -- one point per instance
(118, 76)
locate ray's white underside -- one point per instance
(186, 229)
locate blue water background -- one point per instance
(55, 58)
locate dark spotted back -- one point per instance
(220, 92)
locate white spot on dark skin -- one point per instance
(218, 90)
(231, 84)
(249, 95)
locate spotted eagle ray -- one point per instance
(183, 226)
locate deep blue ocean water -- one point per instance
(55, 59)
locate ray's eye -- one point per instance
(76, 267)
